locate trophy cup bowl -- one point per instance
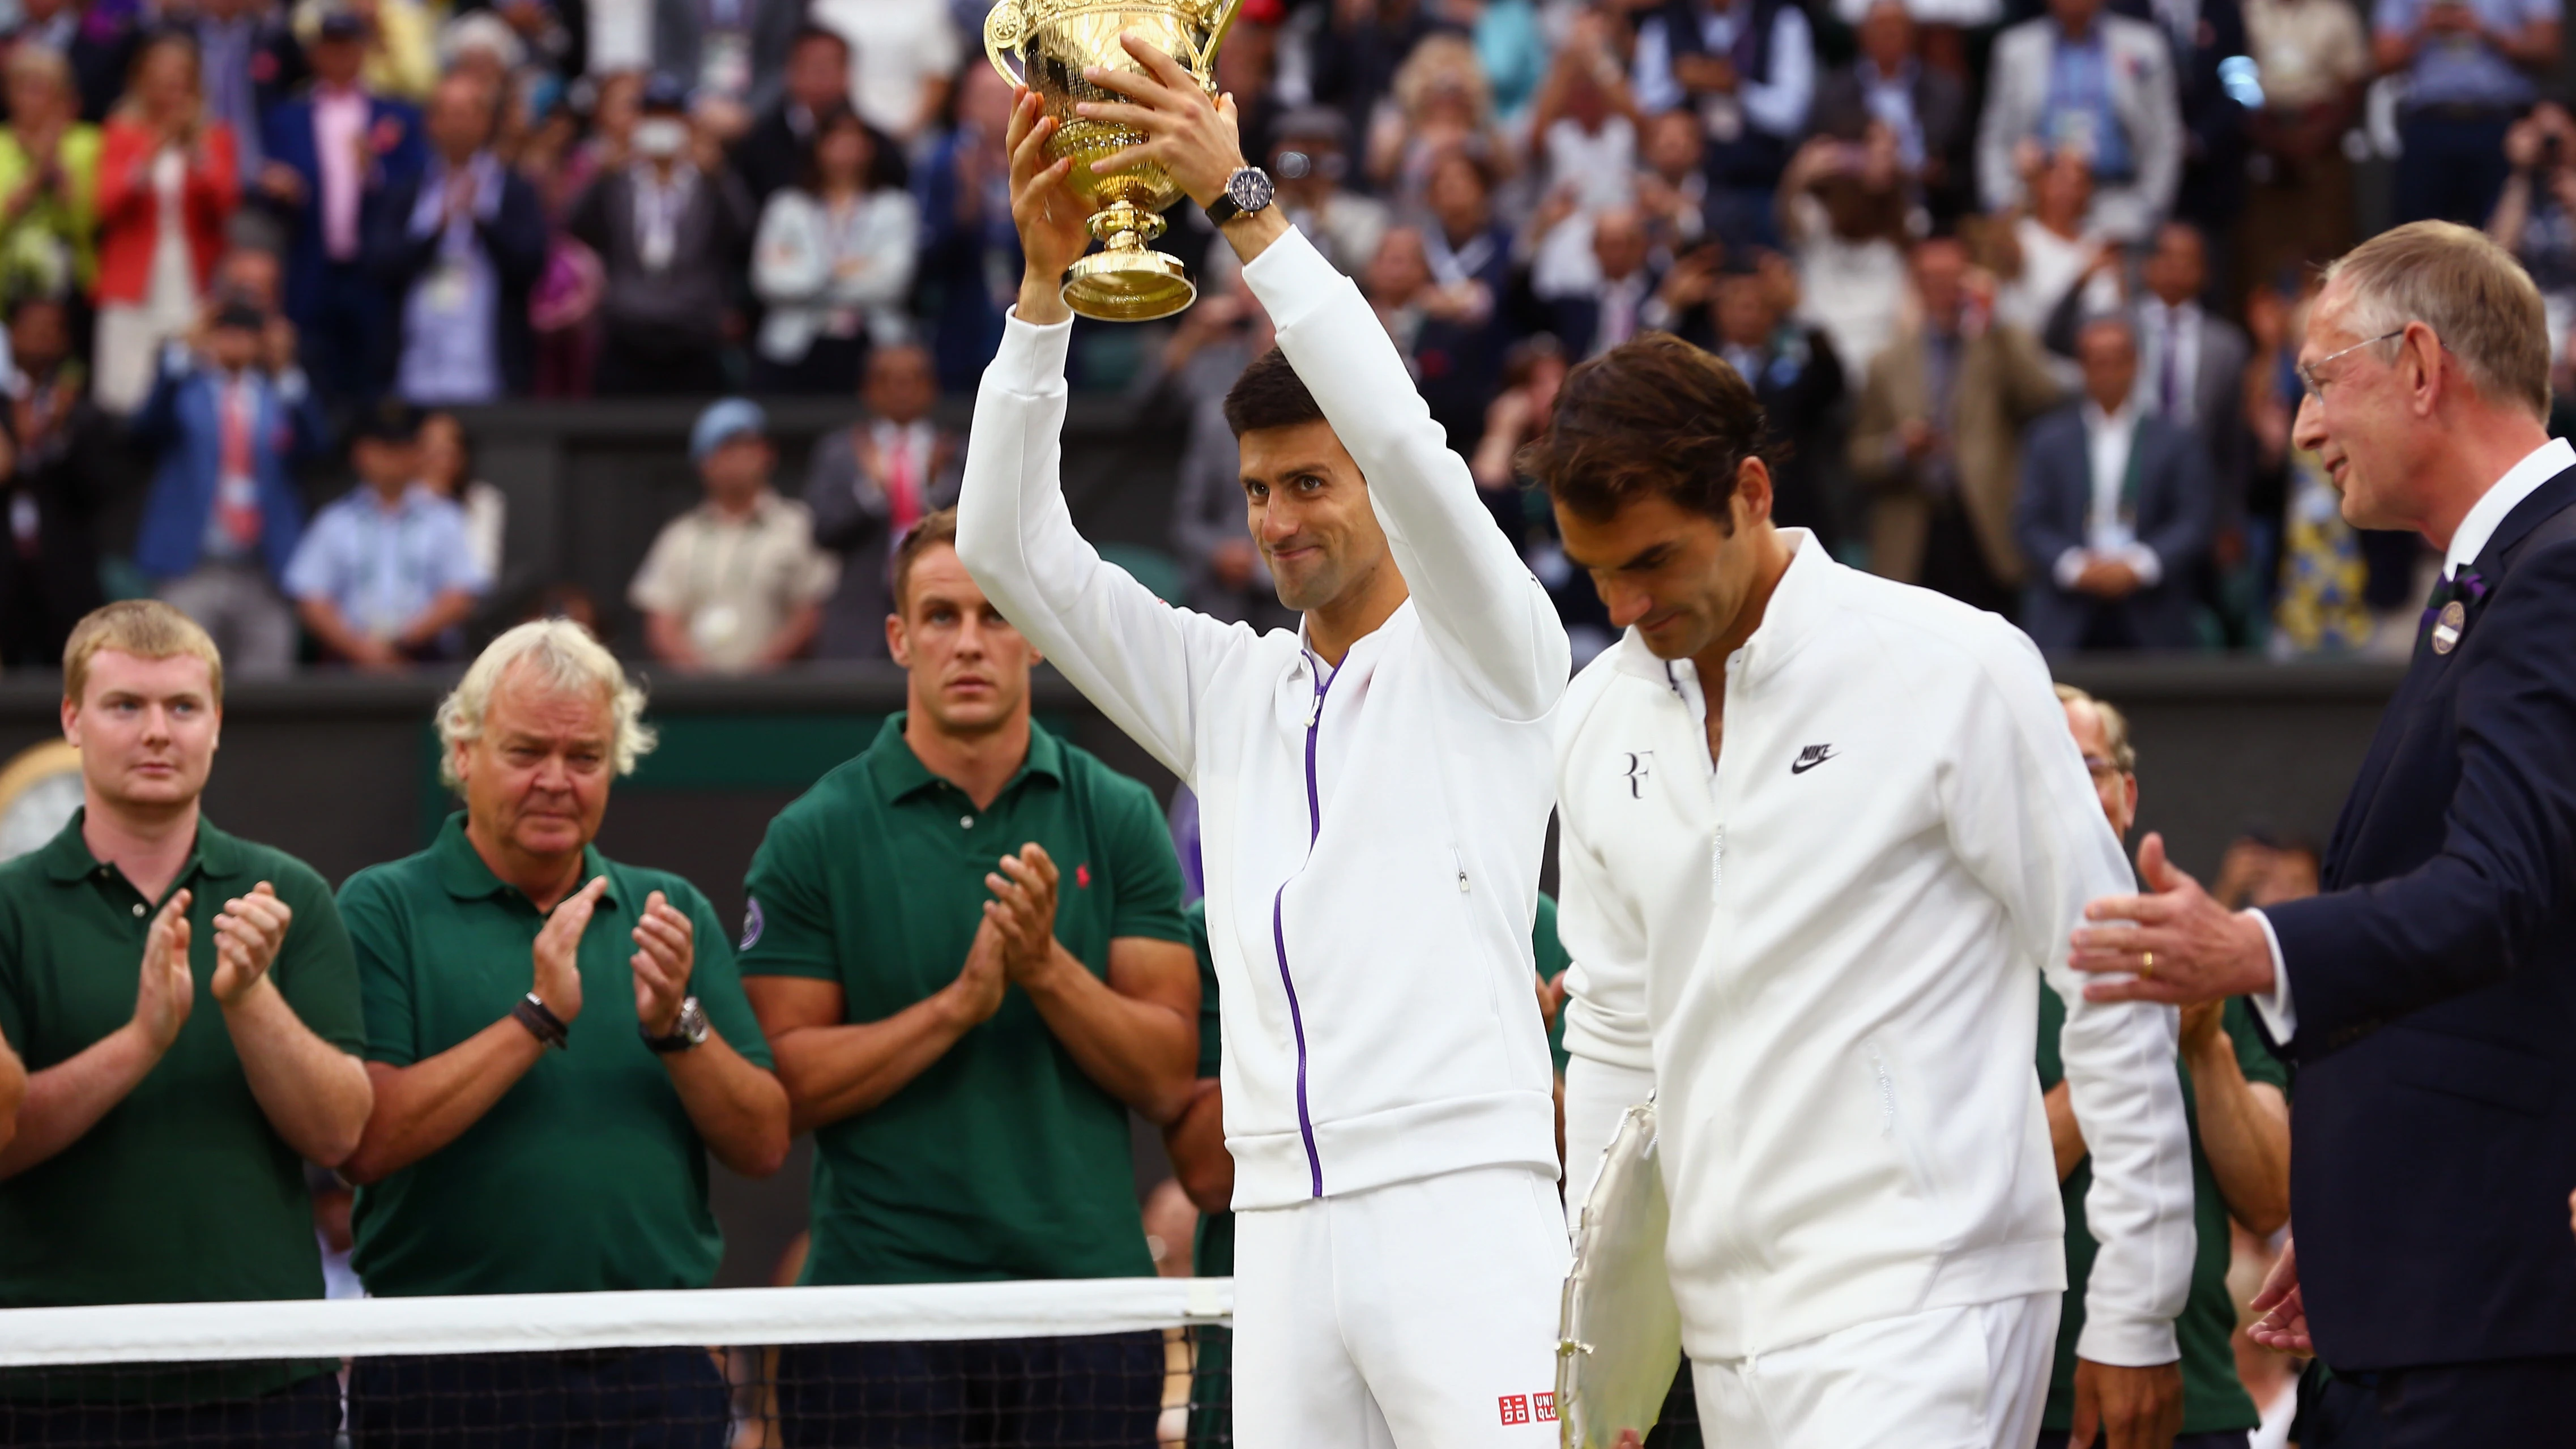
(1052, 41)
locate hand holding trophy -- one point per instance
(1055, 43)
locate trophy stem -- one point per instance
(1127, 281)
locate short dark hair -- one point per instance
(1652, 417)
(809, 32)
(933, 529)
(1270, 394)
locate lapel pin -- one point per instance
(2446, 627)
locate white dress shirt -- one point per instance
(2519, 482)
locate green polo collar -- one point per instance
(217, 856)
(462, 871)
(900, 773)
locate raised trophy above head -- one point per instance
(1045, 45)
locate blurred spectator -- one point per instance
(1924, 108)
(100, 49)
(2471, 67)
(1355, 56)
(775, 153)
(387, 574)
(2100, 86)
(252, 62)
(447, 469)
(2262, 869)
(398, 54)
(328, 150)
(728, 53)
(54, 487)
(461, 243)
(1673, 186)
(2114, 512)
(1585, 131)
(1843, 214)
(833, 262)
(2206, 36)
(1309, 165)
(2535, 215)
(189, 1006)
(1223, 573)
(1532, 372)
(224, 517)
(1247, 68)
(1441, 105)
(924, 1007)
(1936, 437)
(970, 252)
(907, 53)
(671, 229)
(1797, 379)
(166, 186)
(48, 181)
(559, 164)
(1622, 298)
(734, 585)
(1469, 252)
(253, 275)
(2312, 59)
(870, 483)
(1748, 67)
(2049, 248)
(478, 956)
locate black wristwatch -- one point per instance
(689, 1031)
(1248, 190)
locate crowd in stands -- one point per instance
(2020, 283)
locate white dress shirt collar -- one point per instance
(2488, 514)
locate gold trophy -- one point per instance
(1053, 41)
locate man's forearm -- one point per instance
(2245, 1134)
(2065, 1137)
(1141, 1052)
(316, 1095)
(425, 1106)
(1195, 1141)
(1252, 235)
(13, 1092)
(739, 1110)
(832, 1072)
(67, 1099)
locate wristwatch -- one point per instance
(1248, 190)
(689, 1031)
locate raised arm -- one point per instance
(1142, 662)
(1482, 608)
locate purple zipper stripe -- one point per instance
(1279, 932)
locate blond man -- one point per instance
(187, 1002)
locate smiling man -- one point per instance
(1820, 834)
(1373, 796)
(966, 946)
(186, 1001)
(558, 1043)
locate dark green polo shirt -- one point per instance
(1002, 1160)
(2213, 1400)
(1553, 960)
(183, 1192)
(587, 1174)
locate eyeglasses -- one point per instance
(2308, 370)
(2102, 769)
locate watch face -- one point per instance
(1249, 189)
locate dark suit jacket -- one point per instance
(685, 304)
(515, 240)
(2174, 506)
(2217, 393)
(1841, 110)
(2435, 988)
(393, 128)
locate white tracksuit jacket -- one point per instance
(1371, 834)
(1828, 948)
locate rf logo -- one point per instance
(1516, 1408)
(1641, 767)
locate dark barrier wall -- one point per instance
(343, 772)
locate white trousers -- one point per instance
(1417, 1316)
(1946, 1378)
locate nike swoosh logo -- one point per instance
(1803, 764)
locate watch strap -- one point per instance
(541, 1022)
(688, 1030)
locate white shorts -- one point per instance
(1421, 1315)
(1946, 1378)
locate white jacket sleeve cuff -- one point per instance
(1030, 361)
(2274, 1006)
(2126, 1342)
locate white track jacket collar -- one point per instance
(1371, 834)
(1828, 948)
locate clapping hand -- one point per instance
(666, 951)
(1023, 910)
(248, 933)
(166, 990)
(558, 950)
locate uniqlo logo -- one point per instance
(1546, 1407)
(1516, 1409)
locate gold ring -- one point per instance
(2147, 967)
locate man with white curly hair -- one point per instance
(496, 968)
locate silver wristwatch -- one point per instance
(1248, 190)
(687, 1032)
